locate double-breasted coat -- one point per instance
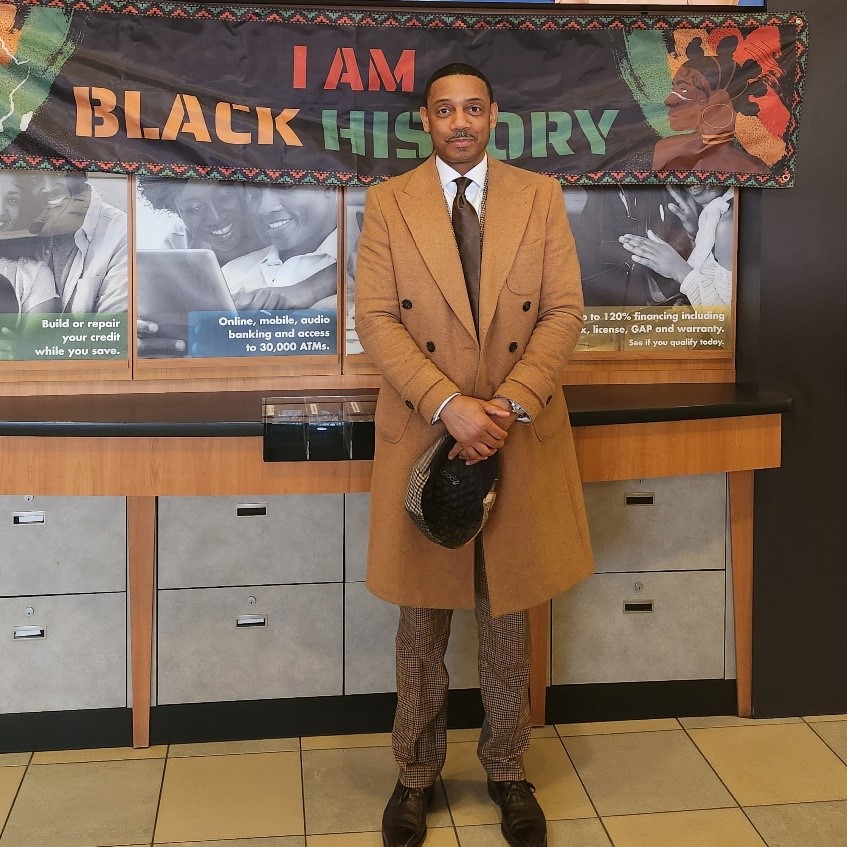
(414, 319)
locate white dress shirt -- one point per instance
(264, 268)
(474, 194)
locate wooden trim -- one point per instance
(148, 467)
(539, 633)
(38, 373)
(199, 382)
(741, 534)
(678, 448)
(236, 367)
(141, 554)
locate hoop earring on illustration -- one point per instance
(723, 125)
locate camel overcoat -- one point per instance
(414, 319)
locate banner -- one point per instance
(331, 96)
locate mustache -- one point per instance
(461, 133)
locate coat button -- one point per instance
(513, 346)
(406, 304)
(527, 305)
(409, 404)
(430, 346)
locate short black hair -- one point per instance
(457, 69)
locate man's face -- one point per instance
(213, 213)
(11, 197)
(294, 220)
(459, 117)
(690, 95)
(51, 190)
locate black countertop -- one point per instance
(238, 413)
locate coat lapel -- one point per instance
(422, 205)
(507, 210)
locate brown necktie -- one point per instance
(468, 238)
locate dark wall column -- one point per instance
(800, 591)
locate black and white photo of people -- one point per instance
(220, 247)
(63, 247)
(654, 246)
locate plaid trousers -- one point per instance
(419, 737)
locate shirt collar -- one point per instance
(328, 247)
(447, 174)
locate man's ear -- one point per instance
(492, 118)
(720, 98)
(424, 118)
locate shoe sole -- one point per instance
(514, 843)
(415, 843)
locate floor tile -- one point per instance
(710, 828)
(102, 754)
(610, 727)
(435, 837)
(334, 742)
(576, 833)
(558, 788)
(463, 736)
(823, 718)
(346, 790)
(466, 735)
(802, 824)
(633, 773)
(834, 733)
(229, 748)
(283, 841)
(14, 759)
(10, 779)
(240, 796)
(85, 804)
(733, 720)
(773, 764)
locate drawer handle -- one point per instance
(28, 518)
(638, 606)
(251, 510)
(639, 498)
(22, 632)
(251, 620)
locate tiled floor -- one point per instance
(697, 782)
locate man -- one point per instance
(87, 245)
(300, 267)
(442, 368)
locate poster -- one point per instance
(355, 215)
(63, 266)
(331, 96)
(234, 269)
(657, 267)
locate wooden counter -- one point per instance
(149, 445)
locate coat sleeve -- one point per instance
(415, 378)
(538, 374)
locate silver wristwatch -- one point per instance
(518, 410)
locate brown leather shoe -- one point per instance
(522, 821)
(404, 818)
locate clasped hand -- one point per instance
(479, 426)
